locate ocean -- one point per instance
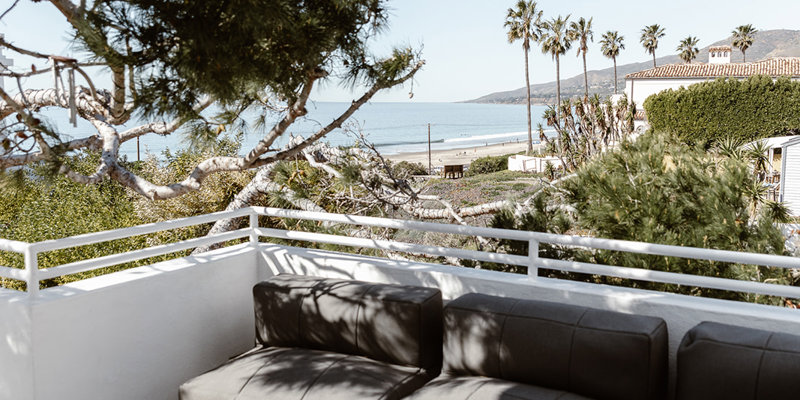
(392, 127)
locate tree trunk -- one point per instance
(615, 74)
(654, 58)
(744, 57)
(558, 86)
(528, 98)
(585, 76)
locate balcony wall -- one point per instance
(140, 333)
(135, 334)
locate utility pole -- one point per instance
(430, 168)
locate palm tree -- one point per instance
(649, 39)
(525, 22)
(743, 38)
(688, 49)
(582, 33)
(556, 41)
(611, 44)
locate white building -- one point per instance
(5, 62)
(640, 85)
(790, 175)
(783, 170)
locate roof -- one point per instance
(719, 48)
(776, 142)
(782, 66)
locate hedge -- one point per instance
(743, 110)
(488, 164)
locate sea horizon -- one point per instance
(392, 127)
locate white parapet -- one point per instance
(531, 164)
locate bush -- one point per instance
(488, 164)
(405, 169)
(658, 190)
(728, 108)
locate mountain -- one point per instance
(767, 44)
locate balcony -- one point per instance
(140, 333)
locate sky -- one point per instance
(465, 45)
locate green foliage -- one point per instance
(214, 195)
(488, 164)
(42, 207)
(728, 108)
(659, 190)
(39, 205)
(182, 50)
(404, 169)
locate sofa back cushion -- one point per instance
(594, 353)
(718, 361)
(391, 323)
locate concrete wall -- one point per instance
(16, 355)
(680, 312)
(140, 333)
(644, 88)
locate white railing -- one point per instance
(32, 274)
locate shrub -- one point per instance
(659, 190)
(405, 169)
(488, 164)
(728, 108)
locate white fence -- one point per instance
(32, 274)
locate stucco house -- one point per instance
(640, 85)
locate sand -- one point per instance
(461, 156)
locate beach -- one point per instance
(462, 155)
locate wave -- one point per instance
(491, 137)
(385, 144)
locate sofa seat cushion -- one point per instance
(295, 373)
(449, 387)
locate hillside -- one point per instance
(774, 43)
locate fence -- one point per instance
(32, 274)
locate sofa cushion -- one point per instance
(391, 323)
(594, 353)
(718, 361)
(292, 373)
(448, 387)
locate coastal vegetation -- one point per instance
(525, 23)
(585, 127)
(582, 33)
(740, 110)
(202, 87)
(649, 39)
(687, 49)
(611, 44)
(743, 37)
(556, 41)
(658, 190)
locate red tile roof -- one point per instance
(720, 48)
(783, 66)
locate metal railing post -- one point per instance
(32, 271)
(533, 258)
(253, 227)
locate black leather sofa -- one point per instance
(332, 339)
(719, 361)
(506, 348)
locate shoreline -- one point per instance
(463, 156)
